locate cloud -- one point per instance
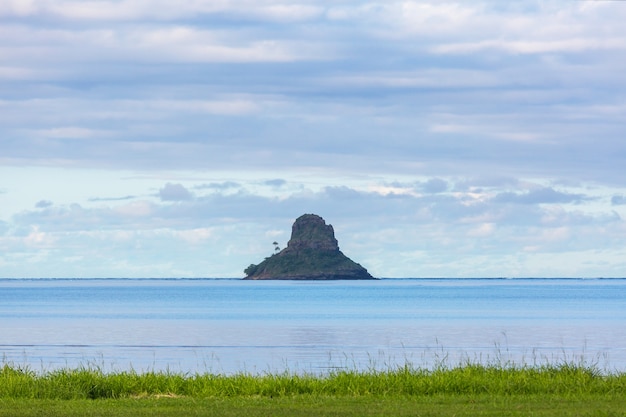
(225, 185)
(435, 185)
(70, 132)
(450, 207)
(540, 196)
(174, 192)
(466, 131)
(39, 239)
(223, 75)
(275, 182)
(227, 229)
(43, 204)
(159, 10)
(196, 236)
(101, 199)
(533, 47)
(618, 200)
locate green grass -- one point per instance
(469, 379)
(440, 405)
(560, 390)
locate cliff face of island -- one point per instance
(311, 254)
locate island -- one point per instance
(312, 253)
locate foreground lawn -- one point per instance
(304, 405)
(469, 390)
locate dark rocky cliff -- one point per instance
(311, 254)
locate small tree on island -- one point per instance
(251, 269)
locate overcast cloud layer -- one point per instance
(154, 138)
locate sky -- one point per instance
(157, 138)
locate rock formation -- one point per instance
(311, 254)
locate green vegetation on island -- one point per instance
(312, 253)
(306, 264)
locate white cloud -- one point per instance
(23, 73)
(234, 106)
(189, 44)
(155, 9)
(69, 132)
(18, 7)
(135, 209)
(539, 196)
(196, 236)
(62, 48)
(38, 239)
(481, 231)
(557, 234)
(425, 78)
(440, 17)
(532, 47)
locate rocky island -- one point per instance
(312, 253)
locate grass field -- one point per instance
(468, 390)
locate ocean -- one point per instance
(230, 326)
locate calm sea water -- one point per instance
(230, 326)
